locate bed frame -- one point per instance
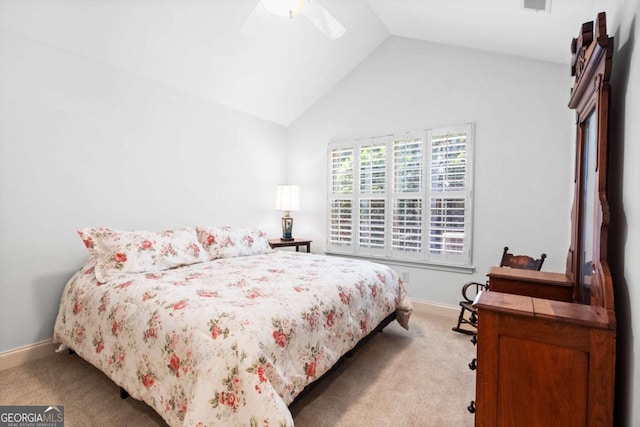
(390, 318)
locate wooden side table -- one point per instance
(277, 243)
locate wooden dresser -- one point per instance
(542, 362)
(539, 284)
(546, 341)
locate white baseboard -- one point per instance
(27, 353)
(438, 309)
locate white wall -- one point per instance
(86, 144)
(523, 171)
(624, 201)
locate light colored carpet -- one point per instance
(399, 378)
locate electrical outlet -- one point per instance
(405, 276)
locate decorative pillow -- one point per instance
(120, 252)
(227, 242)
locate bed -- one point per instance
(210, 326)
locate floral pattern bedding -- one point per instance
(230, 341)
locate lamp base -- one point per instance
(287, 228)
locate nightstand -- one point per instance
(277, 243)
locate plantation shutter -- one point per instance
(372, 196)
(341, 196)
(408, 195)
(450, 205)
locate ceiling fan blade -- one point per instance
(254, 21)
(322, 19)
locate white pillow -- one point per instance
(227, 242)
(120, 252)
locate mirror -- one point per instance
(589, 152)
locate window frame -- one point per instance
(424, 257)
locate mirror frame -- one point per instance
(591, 62)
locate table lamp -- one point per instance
(287, 200)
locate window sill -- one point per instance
(407, 263)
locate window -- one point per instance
(405, 196)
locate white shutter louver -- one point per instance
(371, 229)
(448, 162)
(407, 225)
(408, 165)
(341, 222)
(342, 171)
(373, 168)
(446, 226)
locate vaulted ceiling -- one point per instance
(281, 66)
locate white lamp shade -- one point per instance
(288, 198)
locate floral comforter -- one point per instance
(231, 341)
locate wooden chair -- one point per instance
(471, 289)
